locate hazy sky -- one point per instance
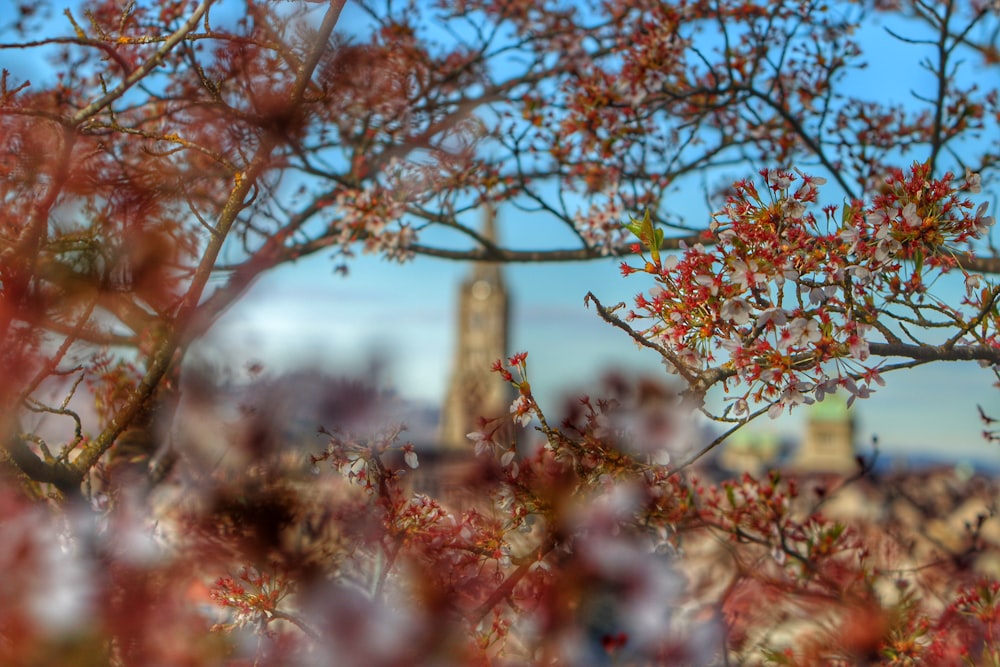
(303, 315)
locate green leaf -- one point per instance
(654, 250)
(847, 215)
(776, 657)
(648, 235)
(837, 531)
(634, 227)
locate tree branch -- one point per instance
(167, 351)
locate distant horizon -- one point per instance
(789, 428)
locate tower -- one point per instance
(474, 391)
(828, 445)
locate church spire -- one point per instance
(488, 270)
(482, 328)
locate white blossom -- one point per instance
(982, 221)
(860, 273)
(972, 283)
(850, 235)
(410, 457)
(741, 407)
(793, 208)
(974, 181)
(887, 248)
(520, 411)
(745, 274)
(800, 331)
(877, 218)
(910, 215)
(774, 314)
(736, 310)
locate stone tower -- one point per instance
(828, 445)
(474, 391)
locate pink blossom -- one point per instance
(709, 281)
(859, 392)
(826, 386)
(872, 375)
(793, 395)
(600, 226)
(787, 273)
(689, 357)
(808, 190)
(886, 248)
(819, 294)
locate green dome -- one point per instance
(749, 440)
(833, 407)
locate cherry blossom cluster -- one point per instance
(524, 406)
(787, 560)
(763, 511)
(253, 595)
(599, 225)
(980, 600)
(360, 460)
(790, 302)
(164, 146)
(366, 213)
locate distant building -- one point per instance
(482, 329)
(751, 452)
(826, 445)
(828, 442)
(449, 470)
